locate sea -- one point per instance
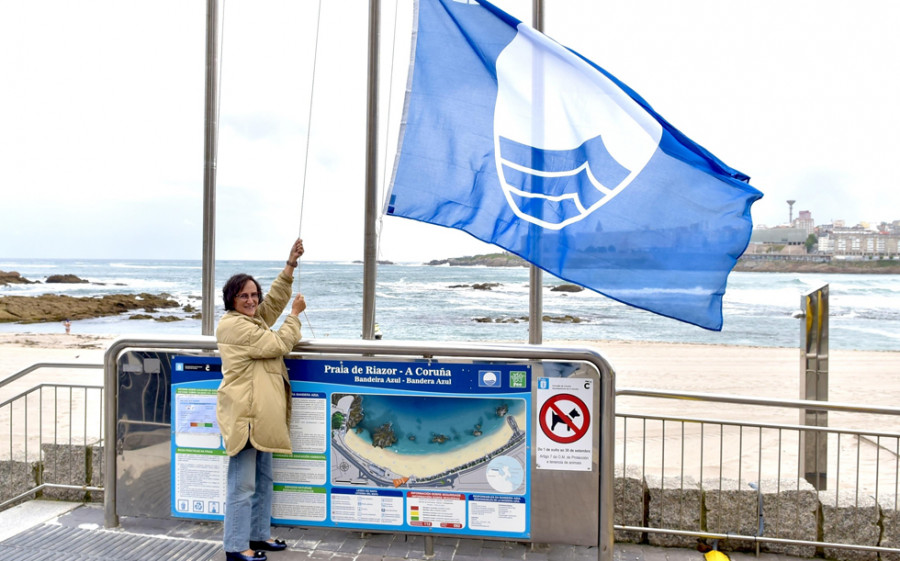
(419, 302)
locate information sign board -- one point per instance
(406, 446)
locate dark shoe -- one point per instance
(277, 545)
(238, 556)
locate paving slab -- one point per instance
(75, 531)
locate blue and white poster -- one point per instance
(401, 446)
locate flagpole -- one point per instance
(370, 237)
(207, 306)
(535, 276)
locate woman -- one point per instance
(254, 403)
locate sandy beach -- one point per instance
(19, 351)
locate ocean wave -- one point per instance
(19, 265)
(160, 267)
(893, 335)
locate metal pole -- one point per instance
(535, 306)
(537, 14)
(370, 249)
(110, 437)
(210, 150)
(536, 275)
(814, 384)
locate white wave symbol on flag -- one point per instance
(566, 138)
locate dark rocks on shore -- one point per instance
(519, 319)
(562, 319)
(167, 319)
(477, 285)
(14, 277)
(846, 267)
(568, 287)
(524, 319)
(66, 279)
(162, 319)
(488, 260)
(57, 307)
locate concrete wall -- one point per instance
(64, 464)
(790, 509)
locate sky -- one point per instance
(102, 116)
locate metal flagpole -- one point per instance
(535, 276)
(209, 168)
(370, 242)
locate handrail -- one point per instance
(770, 402)
(49, 385)
(39, 365)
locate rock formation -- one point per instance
(57, 307)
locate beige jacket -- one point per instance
(254, 398)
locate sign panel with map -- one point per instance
(417, 446)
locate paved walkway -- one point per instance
(53, 531)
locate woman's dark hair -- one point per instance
(233, 287)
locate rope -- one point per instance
(221, 48)
(312, 89)
(384, 164)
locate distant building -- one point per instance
(805, 222)
(860, 243)
(786, 241)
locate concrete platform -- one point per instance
(53, 531)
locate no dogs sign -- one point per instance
(565, 420)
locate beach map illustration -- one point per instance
(466, 444)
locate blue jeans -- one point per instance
(248, 500)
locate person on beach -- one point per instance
(68, 325)
(254, 403)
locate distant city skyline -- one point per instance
(792, 213)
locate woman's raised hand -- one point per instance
(296, 250)
(298, 305)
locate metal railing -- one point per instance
(721, 467)
(729, 465)
(51, 437)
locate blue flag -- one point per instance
(525, 144)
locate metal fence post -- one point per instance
(814, 385)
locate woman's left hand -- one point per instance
(296, 251)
